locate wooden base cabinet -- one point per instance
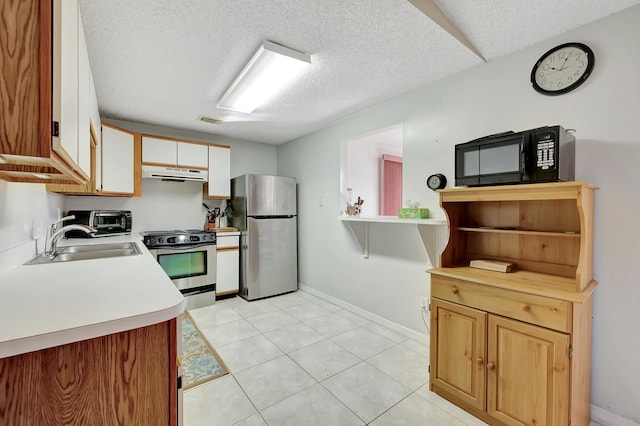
(515, 348)
(127, 378)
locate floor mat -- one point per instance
(200, 362)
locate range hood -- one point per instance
(174, 174)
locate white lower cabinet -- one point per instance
(228, 263)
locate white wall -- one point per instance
(491, 98)
(23, 207)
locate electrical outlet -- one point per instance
(424, 304)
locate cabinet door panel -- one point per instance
(117, 161)
(84, 103)
(193, 155)
(528, 381)
(159, 151)
(65, 81)
(228, 271)
(219, 185)
(458, 355)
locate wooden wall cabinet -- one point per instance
(43, 63)
(515, 348)
(127, 378)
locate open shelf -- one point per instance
(359, 227)
(542, 228)
(568, 234)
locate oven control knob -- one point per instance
(159, 240)
(151, 240)
(204, 237)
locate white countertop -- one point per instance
(43, 306)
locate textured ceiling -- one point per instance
(166, 62)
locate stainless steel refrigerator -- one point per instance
(264, 211)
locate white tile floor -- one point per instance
(299, 360)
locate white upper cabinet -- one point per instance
(219, 185)
(84, 103)
(173, 153)
(193, 155)
(96, 121)
(159, 151)
(65, 81)
(117, 160)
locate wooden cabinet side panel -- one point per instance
(581, 363)
(116, 379)
(25, 75)
(456, 250)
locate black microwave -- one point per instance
(545, 154)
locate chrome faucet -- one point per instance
(54, 234)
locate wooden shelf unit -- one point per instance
(515, 348)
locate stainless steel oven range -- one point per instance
(189, 258)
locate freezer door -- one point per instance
(268, 258)
(270, 195)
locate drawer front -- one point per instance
(539, 310)
(227, 241)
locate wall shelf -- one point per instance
(520, 232)
(359, 227)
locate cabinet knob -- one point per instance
(491, 366)
(480, 361)
(525, 308)
(455, 290)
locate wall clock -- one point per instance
(562, 69)
(436, 181)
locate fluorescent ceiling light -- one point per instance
(271, 68)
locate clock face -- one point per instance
(562, 69)
(437, 181)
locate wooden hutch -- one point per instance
(514, 348)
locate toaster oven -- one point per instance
(105, 222)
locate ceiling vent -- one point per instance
(209, 120)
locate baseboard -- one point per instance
(608, 418)
(405, 331)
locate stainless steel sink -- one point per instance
(88, 252)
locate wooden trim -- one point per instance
(46, 76)
(535, 191)
(231, 248)
(168, 138)
(94, 135)
(173, 372)
(137, 164)
(215, 197)
(146, 163)
(579, 411)
(225, 293)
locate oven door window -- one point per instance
(184, 265)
